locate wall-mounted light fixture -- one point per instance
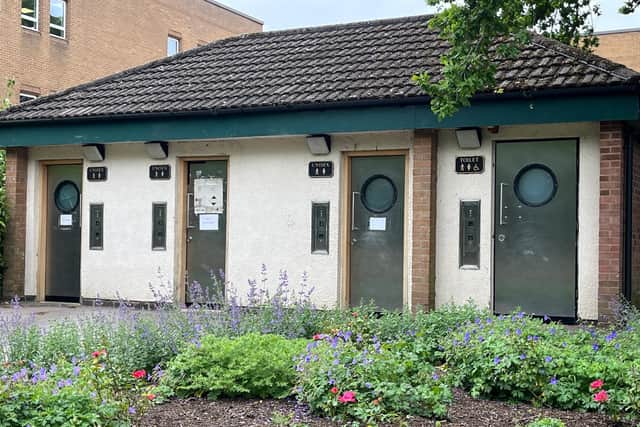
(469, 137)
(93, 152)
(157, 150)
(319, 144)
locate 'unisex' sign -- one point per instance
(470, 164)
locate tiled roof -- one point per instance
(360, 62)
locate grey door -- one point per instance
(64, 189)
(206, 230)
(536, 227)
(377, 231)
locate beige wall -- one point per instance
(269, 205)
(459, 285)
(622, 47)
(104, 37)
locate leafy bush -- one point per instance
(516, 357)
(252, 365)
(72, 393)
(546, 422)
(348, 377)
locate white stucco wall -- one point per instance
(457, 285)
(269, 213)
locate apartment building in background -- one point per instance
(50, 45)
(621, 46)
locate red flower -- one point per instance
(140, 373)
(317, 337)
(347, 397)
(597, 384)
(335, 390)
(601, 396)
(99, 353)
(151, 396)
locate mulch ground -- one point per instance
(465, 412)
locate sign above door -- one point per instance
(470, 164)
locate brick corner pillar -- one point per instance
(14, 245)
(610, 249)
(424, 219)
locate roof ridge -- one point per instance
(214, 43)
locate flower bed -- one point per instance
(352, 365)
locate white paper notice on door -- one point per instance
(208, 196)
(66, 220)
(378, 223)
(209, 222)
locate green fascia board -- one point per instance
(624, 107)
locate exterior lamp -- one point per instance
(157, 150)
(319, 144)
(469, 138)
(93, 152)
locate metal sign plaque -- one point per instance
(470, 164)
(160, 171)
(321, 169)
(98, 173)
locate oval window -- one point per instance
(378, 194)
(535, 185)
(66, 197)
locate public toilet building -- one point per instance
(311, 150)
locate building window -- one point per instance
(173, 45)
(26, 96)
(58, 18)
(29, 14)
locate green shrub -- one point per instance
(348, 377)
(518, 358)
(546, 422)
(252, 365)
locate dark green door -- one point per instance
(64, 187)
(377, 231)
(536, 227)
(206, 229)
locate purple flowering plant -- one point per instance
(368, 380)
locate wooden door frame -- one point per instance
(180, 232)
(43, 208)
(345, 215)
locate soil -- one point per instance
(464, 412)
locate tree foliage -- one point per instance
(472, 28)
(5, 102)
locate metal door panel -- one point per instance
(62, 278)
(377, 248)
(536, 227)
(206, 248)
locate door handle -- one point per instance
(189, 198)
(502, 185)
(353, 210)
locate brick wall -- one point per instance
(16, 192)
(635, 226)
(622, 47)
(611, 216)
(424, 219)
(103, 37)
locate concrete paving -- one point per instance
(45, 313)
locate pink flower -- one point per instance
(597, 384)
(151, 396)
(141, 373)
(335, 390)
(347, 397)
(317, 337)
(601, 396)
